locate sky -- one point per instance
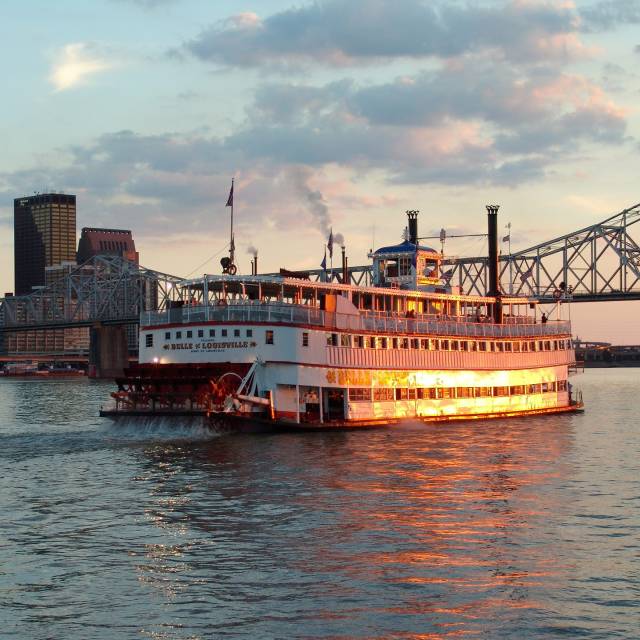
(331, 114)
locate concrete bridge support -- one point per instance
(108, 351)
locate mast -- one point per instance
(232, 247)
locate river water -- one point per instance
(526, 528)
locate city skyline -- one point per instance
(330, 115)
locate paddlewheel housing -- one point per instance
(170, 389)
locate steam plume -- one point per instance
(317, 205)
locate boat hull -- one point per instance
(243, 423)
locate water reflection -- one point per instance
(432, 522)
(494, 529)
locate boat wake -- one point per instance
(163, 428)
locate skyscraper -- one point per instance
(44, 235)
(118, 242)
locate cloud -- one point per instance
(608, 14)
(343, 32)
(469, 109)
(147, 4)
(74, 64)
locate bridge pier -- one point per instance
(108, 351)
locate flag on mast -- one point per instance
(323, 264)
(230, 198)
(330, 243)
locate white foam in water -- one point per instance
(164, 428)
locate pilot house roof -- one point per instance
(403, 247)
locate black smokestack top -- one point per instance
(413, 226)
(494, 278)
(345, 268)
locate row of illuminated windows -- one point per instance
(446, 344)
(212, 333)
(200, 333)
(442, 393)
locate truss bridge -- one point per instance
(598, 263)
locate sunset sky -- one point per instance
(330, 114)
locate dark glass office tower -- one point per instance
(44, 235)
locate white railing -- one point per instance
(375, 322)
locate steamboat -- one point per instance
(283, 352)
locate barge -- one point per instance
(283, 352)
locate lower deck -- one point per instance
(316, 396)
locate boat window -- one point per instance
(382, 394)
(359, 342)
(516, 390)
(212, 333)
(464, 392)
(473, 345)
(236, 333)
(500, 391)
(268, 336)
(508, 346)
(455, 345)
(555, 345)
(360, 395)
(345, 340)
(562, 385)
(200, 333)
(189, 334)
(412, 395)
(444, 345)
(149, 340)
(415, 343)
(178, 335)
(249, 333)
(424, 344)
(384, 343)
(448, 392)
(402, 393)
(464, 345)
(483, 392)
(167, 335)
(223, 332)
(404, 266)
(404, 343)
(547, 345)
(394, 343)
(482, 345)
(370, 342)
(516, 346)
(305, 338)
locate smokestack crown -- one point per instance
(412, 215)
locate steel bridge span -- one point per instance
(595, 264)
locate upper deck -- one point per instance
(292, 301)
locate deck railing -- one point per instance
(376, 322)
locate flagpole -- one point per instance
(231, 244)
(510, 264)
